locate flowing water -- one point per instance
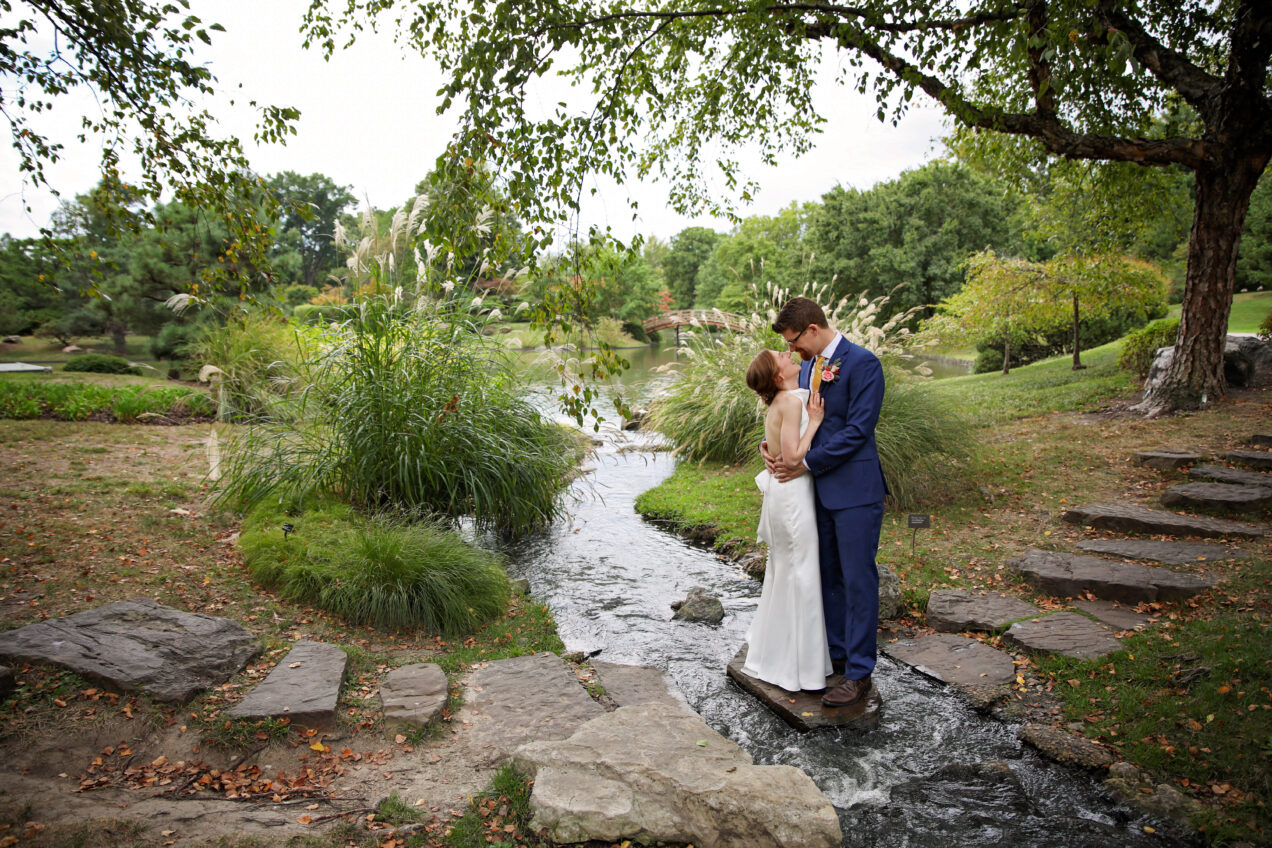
(934, 773)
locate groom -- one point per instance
(849, 484)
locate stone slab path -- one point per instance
(522, 699)
(1170, 553)
(1224, 474)
(138, 645)
(1229, 497)
(1065, 747)
(413, 696)
(655, 773)
(1069, 575)
(955, 610)
(803, 710)
(1111, 615)
(1251, 458)
(1137, 519)
(304, 687)
(1065, 633)
(628, 685)
(954, 659)
(1167, 458)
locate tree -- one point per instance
(917, 229)
(759, 251)
(690, 249)
(1083, 79)
(311, 206)
(136, 61)
(1254, 265)
(27, 299)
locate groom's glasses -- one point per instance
(791, 342)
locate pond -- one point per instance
(933, 773)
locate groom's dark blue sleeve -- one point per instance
(865, 398)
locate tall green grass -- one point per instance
(79, 401)
(710, 414)
(385, 571)
(255, 361)
(408, 406)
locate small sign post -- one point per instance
(917, 521)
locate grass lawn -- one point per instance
(1189, 700)
(49, 351)
(1248, 311)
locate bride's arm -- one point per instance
(794, 446)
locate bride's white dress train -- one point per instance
(787, 640)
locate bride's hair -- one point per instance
(761, 376)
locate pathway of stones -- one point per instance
(1099, 590)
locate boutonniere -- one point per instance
(830, 372)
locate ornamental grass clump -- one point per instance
(710, 414)
(408, 406)
(385, 570)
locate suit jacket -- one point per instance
(843, 457)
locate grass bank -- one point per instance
(1189, 700)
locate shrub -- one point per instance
(100, 363)
(313, 313)
(1265, 329)
(256, 357)
(172, 342)
(384, 571)
(409, 407)
(636, 331)
(1140, 347)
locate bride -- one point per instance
(787, 641)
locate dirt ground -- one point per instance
(94, 513)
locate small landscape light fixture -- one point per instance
(288, 529)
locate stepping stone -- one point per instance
(955, 660)
(1064, 633)
(1231, 497)
(1224, 474)
(1251, 458)
(1069, 575)
(138, 645)
(413, 696)
(523, 699)
(1264, 439)
(653, 773)
(1111, 615)
(1064, 747)
(628, 685)
(1138, 519)
(303, 687)
(804, 710)
(1171, 553)
(1166, 458)
(955, 610)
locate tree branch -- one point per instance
(1039, 67)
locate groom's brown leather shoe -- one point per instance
(847, 693)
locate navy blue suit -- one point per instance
(848, 480)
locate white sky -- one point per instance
(368, 120)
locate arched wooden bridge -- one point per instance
(697, 317)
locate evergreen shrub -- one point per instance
(100, 363)
(1140, 347)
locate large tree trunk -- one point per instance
(1195, 377)
(1077, 336)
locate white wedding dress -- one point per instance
(787, 640)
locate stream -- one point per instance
(934, 772)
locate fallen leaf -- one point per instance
(318, 746)
(305, 819)
(293, 665)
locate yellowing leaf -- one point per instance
(318, 746)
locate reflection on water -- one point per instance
(933, 773)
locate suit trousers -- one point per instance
(849, 542)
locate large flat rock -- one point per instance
(655, 773)
(1224, 474)
(138, 645)
(1113, 616)
(627, 685)
(1137, 519)
(511, 702)
(1228, 497)
(954, 659)
(804, 710)
(304, 687)
(1171, 553)
(1251, 458)
(1263, 439)
(413, 696)
(1064, 747)
(1069, 575)
(1065, 633)
(955, 610)
(1166, 458)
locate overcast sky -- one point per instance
(369, 121)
